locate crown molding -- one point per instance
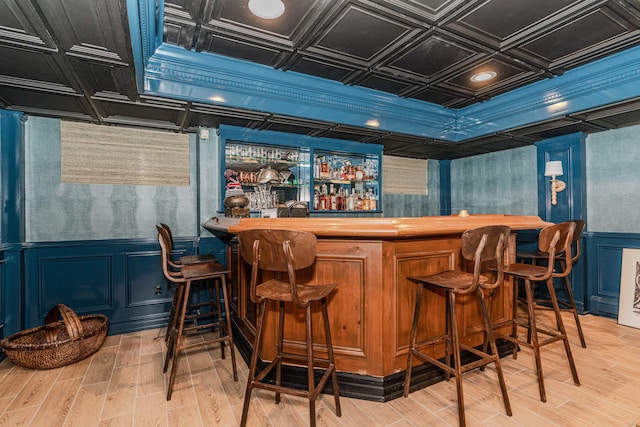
(169, 71)
(606, 81)
(176, 72)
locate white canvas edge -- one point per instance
(627, 314)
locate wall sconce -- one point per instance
(553, 169)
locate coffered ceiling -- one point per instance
(74, 59)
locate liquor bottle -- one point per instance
(324, 168)
(324, 202)
(316, 198)
(340, 202)
(333, 199)
(359, 203)
(366, 202)
(350, 201)
(374, 201)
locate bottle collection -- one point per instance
(329, 199)
(341, 181)
(333, 168)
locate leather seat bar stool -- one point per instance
(485, 247)
(178, 330)
(274, 254)
(569, 304)
(176, 265)
(553, 239)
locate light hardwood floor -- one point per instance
(123, 385)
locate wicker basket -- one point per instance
(58, 342)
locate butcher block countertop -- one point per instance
(376, 227)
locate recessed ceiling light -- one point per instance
(266, 9)
(483, 76)
(217, 98)
(373, 123)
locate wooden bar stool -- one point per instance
(164, 232)
(553, 239)
(285, 252)
(569, 304)
(480, 245)
(211, 272)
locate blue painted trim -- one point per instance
(10, 188)
(13, 294)
(445, 187)
(569, 149)
(605, 81)
(174, 72)
(177, 73)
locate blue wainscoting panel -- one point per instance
(604, 255)
(144, 284)
(11, 288)
(86, 280)
(121, 279)
(2, 297)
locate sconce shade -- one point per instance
(553, 168)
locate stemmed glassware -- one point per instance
(284, 176)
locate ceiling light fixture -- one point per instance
(266, 9)
(483, 76)
(373, 123)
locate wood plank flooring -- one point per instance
(123, 385)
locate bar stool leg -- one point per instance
(172, 313)
(254, 362)
(178, 340)
(332, 362)
(172, 328)
(563, 332)
(280, 347)
(573, 309)
(534, 339)
(227, 314)
(514, 315)
(494, 350)
(412, 341)
(448, 343)
(456, 357)
(310, 379)
(217, 307)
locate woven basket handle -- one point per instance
(71, 321)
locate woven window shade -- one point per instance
(403, 175)
(93, 154)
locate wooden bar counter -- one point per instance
(371, 311)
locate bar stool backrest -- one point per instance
(576, 238)
(169, 233)
(165, 248)
(485, 244)
(278, 251)
(556, 239)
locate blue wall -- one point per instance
(504, 182)
(399, 205)
(613, 180)
(55, 211)
(613, 211)
(94, 246)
